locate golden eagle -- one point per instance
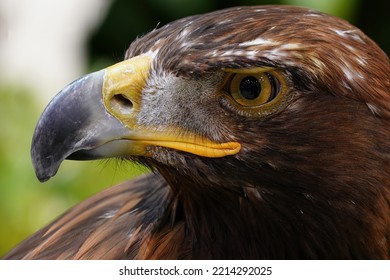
(267, 129)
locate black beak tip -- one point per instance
(44, 168)
(43, 179)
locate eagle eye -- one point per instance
(255, 90)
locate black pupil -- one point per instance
(250, 87)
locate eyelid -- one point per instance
(253, 70)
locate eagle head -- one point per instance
(279, 109)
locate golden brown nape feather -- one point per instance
(109, 225)
(311, 180)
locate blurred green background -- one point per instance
(25, 204)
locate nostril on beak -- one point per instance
(121, 104)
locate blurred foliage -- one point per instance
(25, 204)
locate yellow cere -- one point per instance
(124, 81)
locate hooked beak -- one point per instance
(96, 117)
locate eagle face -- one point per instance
(284, 104)
(310, 78)
(230, 91)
